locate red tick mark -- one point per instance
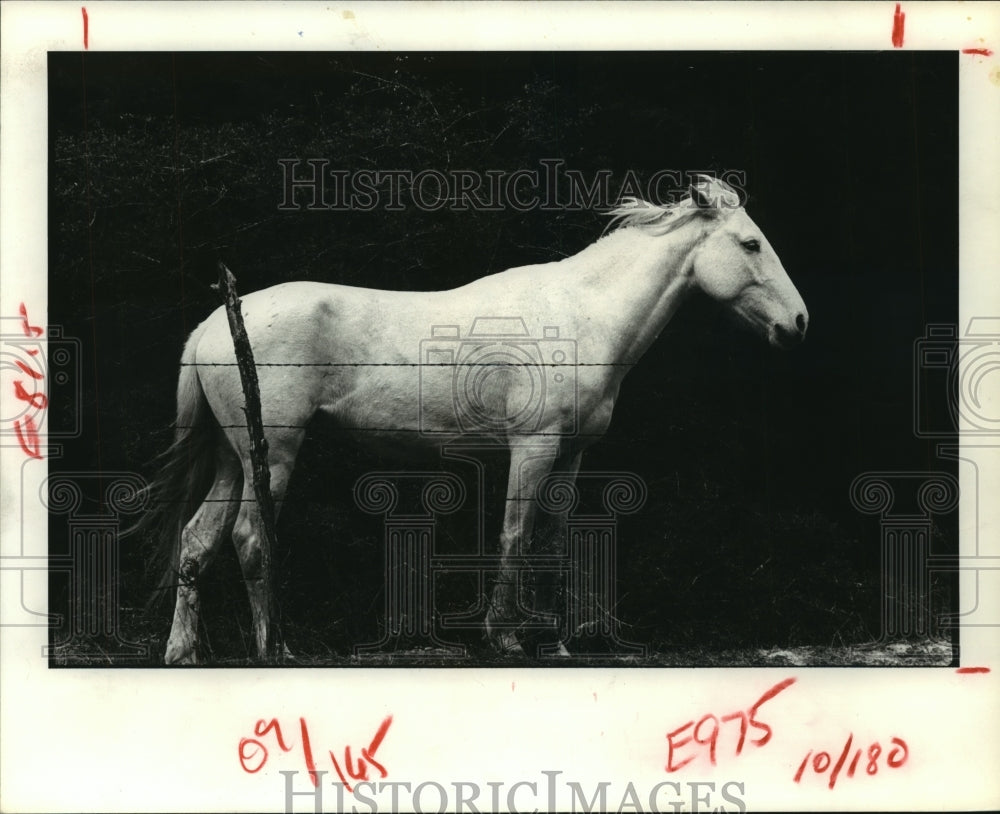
(981, 52)
(29, 330)
(29, 438)
(37, 399)
(25, 369)
(898, 20)
(86, 28)
(964, 670)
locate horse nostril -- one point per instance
(800, 323)
(787, 337)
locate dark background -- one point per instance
(163, 164)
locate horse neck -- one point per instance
(637, 281)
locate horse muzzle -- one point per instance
(788, 336)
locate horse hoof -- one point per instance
(508, 645)
(173, 659)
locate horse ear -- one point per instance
(700, 197)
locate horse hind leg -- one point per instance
(248, 536)
(199, 543)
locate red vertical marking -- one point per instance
(898, 21)
(307, 749)
(841, 760)
(86, 28)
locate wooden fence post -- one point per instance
(258, 454)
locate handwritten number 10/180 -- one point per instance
(869, 759)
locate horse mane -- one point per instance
(660, 219)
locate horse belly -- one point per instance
(371, 397)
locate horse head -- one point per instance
(737, 266)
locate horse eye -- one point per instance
(751, 245)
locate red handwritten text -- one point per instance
(821, 761)
(29, 330)
(253, 752)
(898, 24)
(25, 429)
(705, 733)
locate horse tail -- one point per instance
(186, 472)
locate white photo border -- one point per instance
(150, 740)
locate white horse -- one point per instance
(362, 357)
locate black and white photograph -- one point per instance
(558, 355)
(500, 381)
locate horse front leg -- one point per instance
(549, 540)
(529, 463)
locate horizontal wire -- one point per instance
(186, 502)
(428, 433)
(413, 364)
